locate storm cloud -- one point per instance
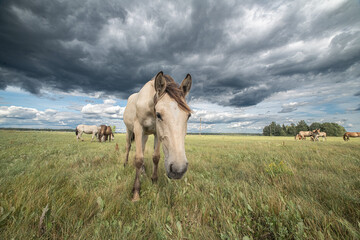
(238, 54)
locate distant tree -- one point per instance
(113, 128)
(266, 131)
(302, 126)
(270, 129)
(333, 129)
(314, 126)
(291, 130)
(279, 131)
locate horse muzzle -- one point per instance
(176, 171)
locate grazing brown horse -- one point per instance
(314, 135)
(298, 136)
(303, 134)
(347, 135)
(109, 134)
(159, 108)
(105, 133)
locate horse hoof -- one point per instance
(136, 197)
(143, 171)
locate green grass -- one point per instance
(236, 187)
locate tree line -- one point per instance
(331, 129)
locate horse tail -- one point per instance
(76, 131)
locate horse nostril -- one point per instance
(171, 170)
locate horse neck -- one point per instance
(147, 98)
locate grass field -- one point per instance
(236, 187)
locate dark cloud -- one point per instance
(238, 54)
(249, 97)
(291, 107)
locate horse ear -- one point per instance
(186, 85)
(160, 84)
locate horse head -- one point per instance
(172, 114)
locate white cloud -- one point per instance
(18, 112)
(239, 124)
(15, 116)
(109, 101)
(106, 109)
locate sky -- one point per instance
(64, 63)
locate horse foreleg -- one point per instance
(144, 140)
(92, 137)
(156, 158)
(129, 135)
(139, 159)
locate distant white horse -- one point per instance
(88, 129)
(323, 135)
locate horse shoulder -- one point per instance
(145, 108)
(130, 111)
(145, 101)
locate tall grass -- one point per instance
(236, 187)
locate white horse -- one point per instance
(88, 129)
(323, 135)
(159, 108)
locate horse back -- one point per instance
(130, 111)
(305, 133)
(140, 107)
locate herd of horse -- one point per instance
(102, 132)
(315, 134)
(160, 109)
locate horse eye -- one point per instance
(158, 115)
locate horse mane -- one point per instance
(174, 91)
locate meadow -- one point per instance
(236, 187)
